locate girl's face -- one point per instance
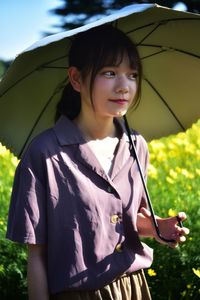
(113, 91)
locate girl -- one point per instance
(77, 201)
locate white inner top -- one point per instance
(104, 151)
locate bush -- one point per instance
(174, 180)
(12, 256)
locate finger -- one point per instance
(182, 231)
(181, 216)
(145, 212)
(182, 239)
(173, 245)
(177, 241)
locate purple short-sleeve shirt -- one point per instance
(63, 198)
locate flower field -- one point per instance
(174, 185)
(174, 181)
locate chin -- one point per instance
(120, 113)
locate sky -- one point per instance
(22, 22)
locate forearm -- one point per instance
(36, 274)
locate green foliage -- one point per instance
(77, 13)
(174, 180)
(3, 67)
(12, 256)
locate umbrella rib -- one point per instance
(165, 103)
(150, 55)
(161, 22)
(57, 89)
(53, 60)
(15, 83)
(164, 49)
(28, 74)
(148, 34)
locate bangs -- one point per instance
(112, 53)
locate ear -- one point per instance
(74, 78)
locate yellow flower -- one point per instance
(171, 146)
(172, 153)
(170, 180)
(189, 286)
(172, 212)
(197, 154)
(198, 171)
(3, 150)
(187, 174)
(173, 173)
(196, 272)
(152, 172)
(151, 272)
(178, 170)
(180, 139)
(161, 156)
(157, 145)
(190, 149)
(15, 161)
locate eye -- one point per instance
(109, 74)
(133, 76)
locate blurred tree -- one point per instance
(75, 13)
(3, 67)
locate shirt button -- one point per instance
(114, 219)
(110, 189)
(118, 248)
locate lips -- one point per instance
(119, 101)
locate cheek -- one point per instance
(134, 89)
(100, 90)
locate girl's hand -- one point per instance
(169, 228)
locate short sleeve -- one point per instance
(27, 212)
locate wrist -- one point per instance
(145, 225)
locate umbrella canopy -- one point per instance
(169, 47)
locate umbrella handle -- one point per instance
(134, 154)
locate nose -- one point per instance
(122, 86)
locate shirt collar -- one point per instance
(68, 133)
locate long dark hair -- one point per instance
(91, 51)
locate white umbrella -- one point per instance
(169, 46)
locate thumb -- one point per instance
(145, 212)
(181, 216)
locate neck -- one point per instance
(93, 128)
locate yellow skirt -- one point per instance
(127, 287)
